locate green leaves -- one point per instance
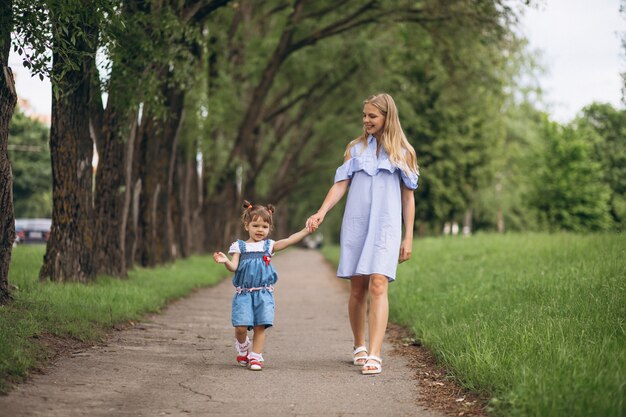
(30, 160)
(568, 190)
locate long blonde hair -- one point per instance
(393, 139)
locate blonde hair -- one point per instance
(393, 139)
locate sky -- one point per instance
(579, 41)
(581, 53)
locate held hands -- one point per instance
(220, 258)
(406, 248)
(314, 221)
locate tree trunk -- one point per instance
(132, 223)
(221, 215)
(113, 189)
(499, 213)
(8, 99)
(421, 229)
(69, 253)
(467, 222)
(196, 221)
(183, 207)
(176, 204)
(157, 155)
(133, 167)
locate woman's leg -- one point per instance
(379, 312)
(258, 340)
(357, 308)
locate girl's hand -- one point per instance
(406, 248)
(220, 258)
(314, 221)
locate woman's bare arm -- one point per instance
(408, 214)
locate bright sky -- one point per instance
(580, 41)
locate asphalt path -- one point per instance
(182, 362)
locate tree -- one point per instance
(258, 88)
(568, 191)
(70, 248)
(8, 99)
(454, 72)
(269, 99)
(156, 155)
(503, 205)
(607, 129)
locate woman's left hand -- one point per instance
(406, 248)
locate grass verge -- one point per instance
(536, 321)
(83, 312)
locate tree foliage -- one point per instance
(268, 94)
(568, 192)
(605, 126)
(30, 161)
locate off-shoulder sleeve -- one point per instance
(234, 248)
(346, 170)
(410, 180)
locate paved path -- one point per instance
(181, 362)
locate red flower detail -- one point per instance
(266, 259)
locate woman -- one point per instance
(380, 170)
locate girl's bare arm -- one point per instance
(291, 240)
(230, 264)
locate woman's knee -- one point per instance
(378, 285)
(359, 287)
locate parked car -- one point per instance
(32, 230)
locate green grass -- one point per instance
(84, 312)
(536, 321)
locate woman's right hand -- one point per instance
(314, 221)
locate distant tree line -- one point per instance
(210, 102)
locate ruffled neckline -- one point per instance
(367, 162)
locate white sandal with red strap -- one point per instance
(359, 360)
(242, 351)
(374, 362)
(256, 361)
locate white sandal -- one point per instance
(256, 361)
(376, 363)
(359, 360)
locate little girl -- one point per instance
(253, 302)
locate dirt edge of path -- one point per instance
(438, 388)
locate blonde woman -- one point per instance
(380, 171)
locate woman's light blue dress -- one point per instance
(371, 230)
(253, 302)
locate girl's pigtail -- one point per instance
(245, 216)
(271, 209)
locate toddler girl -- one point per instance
(253, 302)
